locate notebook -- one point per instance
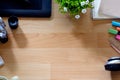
(110, 7)
(99, 11)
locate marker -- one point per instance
(115, 23)
(117, 37)
(113, 31)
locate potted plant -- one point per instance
(74, 7)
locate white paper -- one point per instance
(110, 8)
(96, 13)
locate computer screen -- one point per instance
(20, 4)
(38, 8)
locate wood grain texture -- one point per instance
(58, 48)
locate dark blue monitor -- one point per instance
(26, 8)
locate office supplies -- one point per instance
(117, 37)
(115, 24)
(96, 15)
(110, 8)
(112, 31)
(118, 29)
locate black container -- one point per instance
(13, 22)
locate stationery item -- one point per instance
(96, 13)
(112, 31)
(115, 23)
(118, 29)
(110, 8)
(117, 37)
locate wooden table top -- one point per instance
(58, 48)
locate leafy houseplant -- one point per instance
(74, 7)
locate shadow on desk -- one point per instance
(16, 39)
(20, 38)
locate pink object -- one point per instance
(117, 37)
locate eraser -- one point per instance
(112, 31)
(1, 61)
(115, 23)
(117, 37)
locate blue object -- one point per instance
(115, 23)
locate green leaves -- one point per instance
(74, 7)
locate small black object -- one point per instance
(112, 67)
(13, 22)
(113, 64)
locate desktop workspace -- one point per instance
(58, 48)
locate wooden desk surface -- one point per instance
(59, 48)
